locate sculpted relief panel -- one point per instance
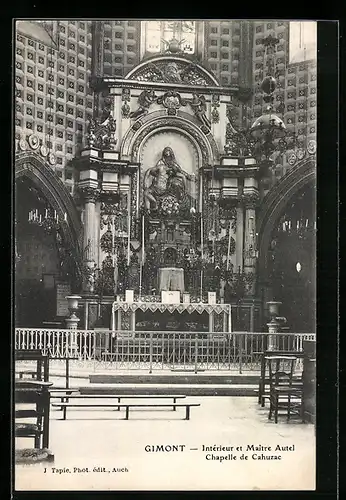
(172, 70)
(169, 163)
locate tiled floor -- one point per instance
(116, 448)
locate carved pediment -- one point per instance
(178, 70)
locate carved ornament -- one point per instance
(173, 70)
(172, 101)
(145, 100)
(198, 104)
(101, 130)
(89, 194)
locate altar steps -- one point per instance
(175, 378)
(187, 389)
(189, 384)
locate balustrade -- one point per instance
(237, 351)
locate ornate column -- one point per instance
(89, 196)
(251, 199)
(239, 237)
(250, 237)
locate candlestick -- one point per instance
(65, 217)
(142, 238)
(229, 245)
(202, 239)
(128, 237)
(307, 223)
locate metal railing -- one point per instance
(193, 351)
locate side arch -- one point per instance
(30, 165)
(273, 204)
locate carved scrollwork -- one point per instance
(215, 115)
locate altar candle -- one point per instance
(40, 218)
(284, 227)
(307, 223)
(65, 217)
(46, 213)
(297, 224)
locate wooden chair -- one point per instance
(35, 394)
(264, 385)
(285, 397)
(41, 371)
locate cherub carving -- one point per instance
(145, 99)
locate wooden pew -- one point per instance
(127, 406)
(66, 398)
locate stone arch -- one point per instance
(205, 143)
(30, 165)
(273, 204)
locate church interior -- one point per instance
(182, 184)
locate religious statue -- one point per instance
(199, 107)
(165, 180)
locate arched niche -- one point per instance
(31, 165)
(153, 122)
(274, 204)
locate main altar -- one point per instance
(169, 192)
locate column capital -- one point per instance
(250, 201)
(89, 194)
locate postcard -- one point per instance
(165, 233)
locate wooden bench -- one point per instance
(128, 406)
(67, 397)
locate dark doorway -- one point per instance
(293, 261)
(37, 260)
